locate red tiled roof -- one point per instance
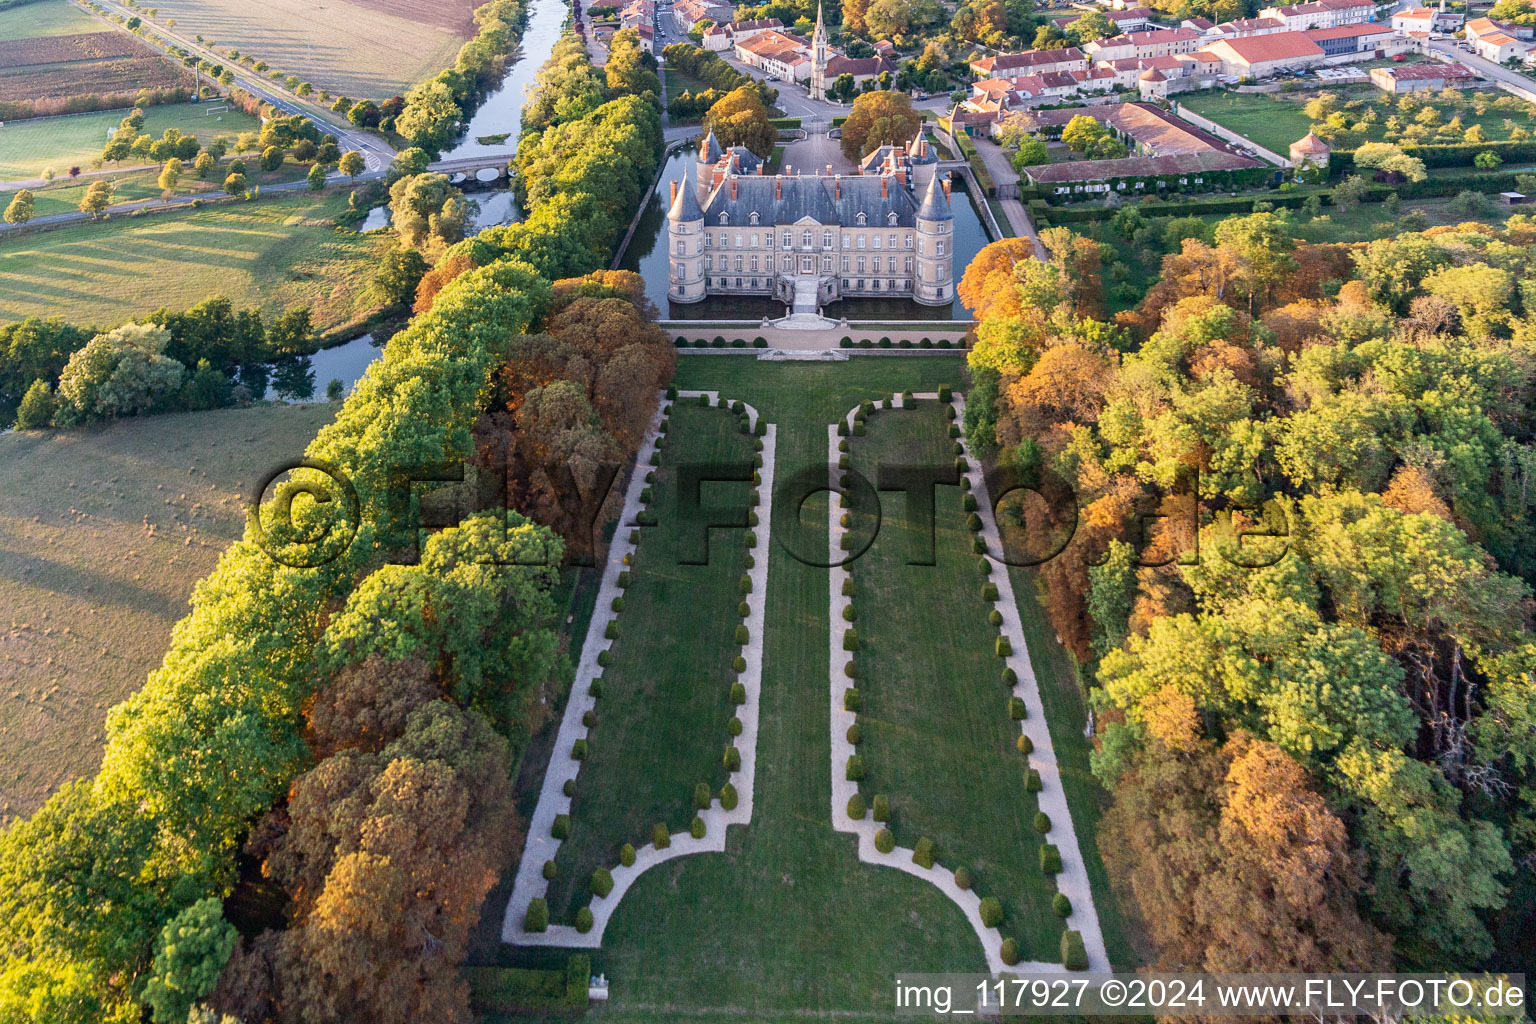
(1365, 28)
(1276, 46)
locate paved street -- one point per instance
(1486, 68)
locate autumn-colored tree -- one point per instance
(878, 119)
(988, 283)
(740, 119)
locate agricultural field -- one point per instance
(45, 18)
(274, 253)
(808, 929)
(365, 49)
(93, 59)
(1364, 114)
(103, 534)
(26, 147)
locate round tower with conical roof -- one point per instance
(685, 244)
(934, 285)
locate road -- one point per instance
(1486, 68)
(152, 204)
(377, 153)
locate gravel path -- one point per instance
(1073, 879)
(541, 845)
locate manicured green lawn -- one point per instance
(661, 722)
(786, 923)
(26, 147)
(274, 253)
(937, 737)
(46, 18)
(132, 186)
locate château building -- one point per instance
(811, 239)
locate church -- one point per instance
(812, 239)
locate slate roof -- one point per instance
(813, 196)
(935, 202)
(685, 206)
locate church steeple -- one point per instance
(819, 49)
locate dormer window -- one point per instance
(725, 218)
(862, 219)
(752, 218)
(891, 219)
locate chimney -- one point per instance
(778, 187)
(674, 193)
(885, 187)
(923, 147)
(837, 188)
(733, 190)
(829, 170)
(946, 188)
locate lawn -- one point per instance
(64, 196)
(273, 253)
(661, 725)
(103, 534)
(1275, 120)
(938, 740)
(46, 18)
(365, 49)
(787, 923)
(26, 147)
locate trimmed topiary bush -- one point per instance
(728, 797)
(850, 639)
(584, 920)
(579, 750)
(1073, 956)
(963, 877)
(842, 428)
(740, 664)
(1016, 709)
(734, 726)
(983, 566)
(855, 768)
(978, 545)
(595, 687)
(973, 522)
(855, 734)
(851, 699)
(989, 591)
(1042, 822)
(561, 829)
(991, 911)
(742, 636)
(549, 869)
(884, 841)
(627, 855)
(968, 502)
(624, 578)
(536, 918)
(856, 808)
(858, 428)
(589, 718)
(745, 584)
(696, 828)
(851, 670)
(738, 693)
(1004, 648)
(602, 882)
(660, 837)
(848, 613)
(1032, 781)
(954, 430)
(882, 807)
(961, 466)
(612, 629)
(743, 609)
(1010, 678)
(1025, 744)
(1061, 905)
(946, 394)
(995, 617)
(922, 853)
(847, 586)
(732, 759)
(1050, 859)
(568, 787)
(1010, 951)
(701, 796)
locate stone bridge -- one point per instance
(472, 166)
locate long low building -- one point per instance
(1431, 76)
(1356, 38)
(1263, 56)
(1089, 175)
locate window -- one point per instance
(908, 267)
(861, 241)
(877, 285)
(738, 241)
(891, 239)
(738, 267)
(861, 264)
(754, 239)
(709, 241)
(786, 264)
(725, 218)
(845, 264)
(846, 243)
(788, 239)
(940, 250)
(826, 264)
(875, 241)
(909, 241)
(752, 219)
(680, 247)
(709, 263)
(862, 219)
(891, 220)
(826, 239)
(754, 264)
(805, 239)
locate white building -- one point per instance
(732, 230)
(1321, 13)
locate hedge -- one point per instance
(595, 687)
(851, 699)
(568, 787)
(627, 855)
(579, 750)
(728, 797)
(738, 693)
(855, 734)
(1010, 678)
(884, 841)
(588, 719)
(742, 636)
(856, 808)
(602, 882)
(1073, 956)
(1050, 859)
(1004, 648)
(523, 990)
(946, 394)
(549, 870)
(994, 617)
(1061, 905)
(850, 639)
(922, 853)
(734, 726)
(882, 807)
(536, 919)
(991, 911)
(988, 589)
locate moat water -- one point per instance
(647, 255)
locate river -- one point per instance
(649, 260)
(501, 112)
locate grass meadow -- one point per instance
(103, 534)
(26, 147)
(273, 253)
(661, 722)
(937, 737)
(46, 18)
(787, 923)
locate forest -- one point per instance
(1286, 510)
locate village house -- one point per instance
(1321, 13)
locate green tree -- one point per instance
(1032, 152)
(843, 88)
(235, 184)
(204, 164)
(316, 178)
(398, 275)
(37, 407)
(19, 210)
(271, 159)
(190, 952)
(1091, 27)
(1082, 132)
(98, 196)
(170, 174)
(121, 373)
(427, 212)
(351, 164)
(431, 116)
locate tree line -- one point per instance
(1297, 580)
(436, 110)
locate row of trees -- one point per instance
(1333, 725)
(436, 109)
